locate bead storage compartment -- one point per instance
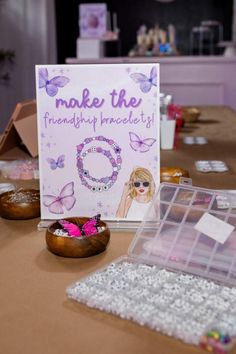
(211, 166)
(179, 277)
(198, 140)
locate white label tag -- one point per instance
(213, 227)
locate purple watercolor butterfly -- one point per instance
(140, 145)
(52, 85)
(56, 163)
(65, 199)
(145, 83)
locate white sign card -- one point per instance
(98, 133)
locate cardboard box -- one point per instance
(19, 140)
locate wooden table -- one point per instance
(35, 315)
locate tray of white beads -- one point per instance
(211, 166)
(198, 140)
(176, 304)
(180, 273)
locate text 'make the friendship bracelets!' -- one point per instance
(103, 183)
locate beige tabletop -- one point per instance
(35, 315)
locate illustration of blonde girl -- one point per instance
(137, 194)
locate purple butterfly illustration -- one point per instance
(137, 144)
(52, 85)
(56, 163)
(65, 199)
(145, 83)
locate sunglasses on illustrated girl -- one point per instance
(144, 184)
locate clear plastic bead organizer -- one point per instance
(198, 140)
(169, 235)
(179, 276)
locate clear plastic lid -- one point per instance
(192, 230)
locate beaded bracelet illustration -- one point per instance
(103, 183)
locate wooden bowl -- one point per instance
(190, 114)
(20, 204)
(77, 247)
(172, 174)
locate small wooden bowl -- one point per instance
(77, 247)
(20, 204)
(190, 114)
(172, 174)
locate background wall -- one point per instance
(184, 14)
(28, 28)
